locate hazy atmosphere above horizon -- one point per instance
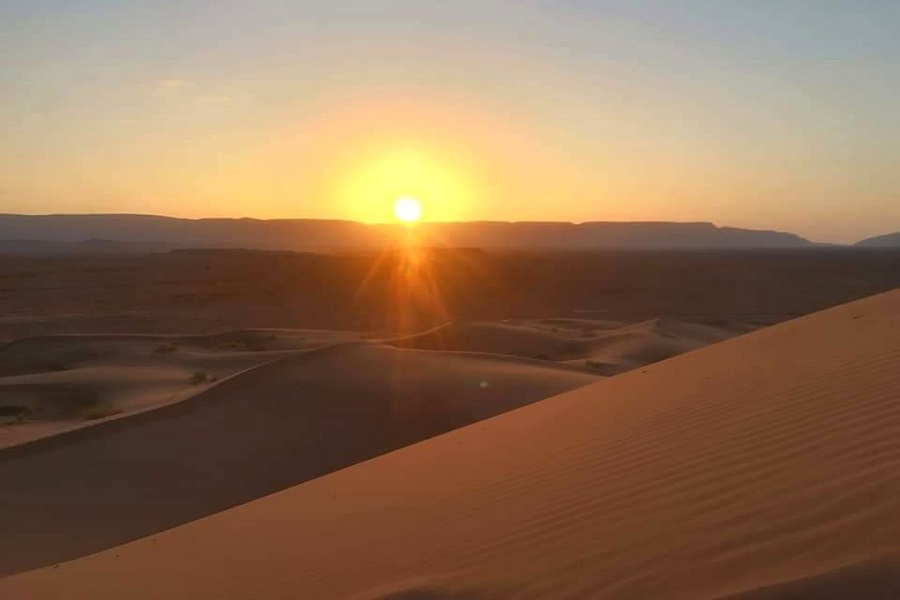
(774, 115)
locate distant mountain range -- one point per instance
(43, 234)
(890, 240)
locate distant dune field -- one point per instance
(762, 467)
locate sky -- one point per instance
(770, 114)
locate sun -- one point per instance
(407, 209)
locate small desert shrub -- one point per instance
(199, 377)
(166, 349)
(101, 412)
(604, 369)
(16, 413)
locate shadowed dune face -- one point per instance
(763, 467)
(876, 579)
(55, 383)
(48, 402)
(256, 433)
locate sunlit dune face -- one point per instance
(408, 210)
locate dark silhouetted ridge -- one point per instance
(890, 240)
(38, 231)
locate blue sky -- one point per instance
(758, 114)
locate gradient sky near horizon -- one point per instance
(767, 114)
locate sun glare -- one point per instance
(391, 185)
(408, 210)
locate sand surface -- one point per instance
(113, 422)
(603, 347)
(56, 383)
(51, 384)
(261, 431)
(767, 466)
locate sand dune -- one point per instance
(258, 432)
(604, 347)
(764, 467)
(52, 384)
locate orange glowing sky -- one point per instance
(752, 115)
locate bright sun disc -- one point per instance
(408, 210)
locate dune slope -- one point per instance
(758, 468)
(56, 383)
(259, 432)
(604, 347)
